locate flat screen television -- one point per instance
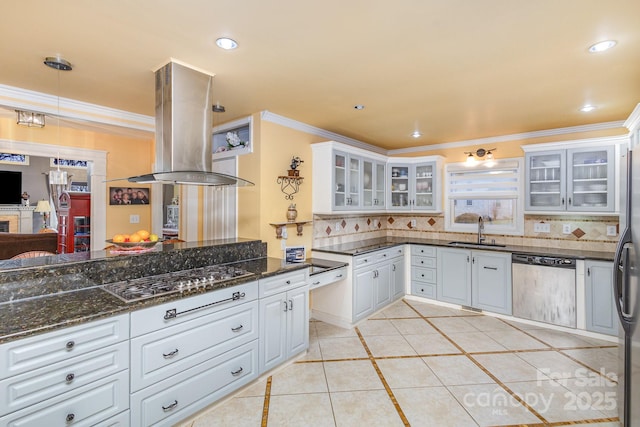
(10, 188)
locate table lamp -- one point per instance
(44, 208)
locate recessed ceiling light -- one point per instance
(602, 46)
(587, 108)
(226, 43)
(416, 134)
(359, 107)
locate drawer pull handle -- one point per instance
(170, 407)
(173, 313)
(290, 304)
(490, 268)
(70, 417)
(315, 283)
(237, 328)
(170, 354)
(70, 377)
(286, 306)
(70, 345)
(338, 276)
(238, 372)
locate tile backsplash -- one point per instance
(586, 232)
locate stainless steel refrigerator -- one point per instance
(626, 282)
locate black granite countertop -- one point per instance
(26, 317)
(370, 245)
(319, 265)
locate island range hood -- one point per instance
(184, 121)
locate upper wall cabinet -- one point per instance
(572, 179)
(414, 186)
(347, 179)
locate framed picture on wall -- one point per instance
(129, 196)
(294, 254)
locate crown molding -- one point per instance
(587, 142)
(268, 116)
(65, 108)
(512, 137)
(633, 122)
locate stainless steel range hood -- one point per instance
(184, 120)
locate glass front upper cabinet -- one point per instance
(413, 186)
(579, 180)
(372, 184)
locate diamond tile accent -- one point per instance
(357, 227)
(379, 224)
(431, 221)
(343, 223)
(578, 233)
(328, 230)
(368, 221)
(390, 220)
(409, 224)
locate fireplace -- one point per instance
(4, 226)
(19, 218)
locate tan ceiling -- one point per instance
(453, 69)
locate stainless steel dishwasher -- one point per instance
(544, 289)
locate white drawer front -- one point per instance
(85, 406)
(160, 354)
(283, 282)
(120, 420)
(420, 261)
(49, 381)
(363, 260)
(172, 400)
(424, 289)
(424, 274)
(423, 250)
(153, 318)
(42, 350)
(323, 279)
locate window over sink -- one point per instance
(493, 193)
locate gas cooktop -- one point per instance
(180, 281)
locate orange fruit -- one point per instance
(144, 234)
(118, 238)
(135, 237)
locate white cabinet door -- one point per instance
(397, 278)
(400, 186)
(297, 320)
(601, 311)
(491, 281)
(273, 331)
(546, 181)
(362, 293)
(425, 185)
(454, 276)
(340, 184)
(590, 179)
(380, 187)
(382, 285)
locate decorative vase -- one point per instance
(292, 213)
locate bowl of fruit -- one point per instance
(141, 239)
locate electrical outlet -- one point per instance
(414, 222)
(541, 227)
(134, 219)
(338, 227)
(612, 230)
(566, 228)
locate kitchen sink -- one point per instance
(476, 245)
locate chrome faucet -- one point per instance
(481, 238)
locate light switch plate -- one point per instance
(414, 222)
(566, 228)
(134, 219)
(541, 227)
(338, 226)
(612, 230)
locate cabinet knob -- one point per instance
(70, 417)
(70, 345)
(237, 328)
(171, 406)
(288, 282)
(69, 377)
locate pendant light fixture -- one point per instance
(56, 176)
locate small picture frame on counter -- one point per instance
(294, 254)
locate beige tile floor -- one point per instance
(424, 365)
